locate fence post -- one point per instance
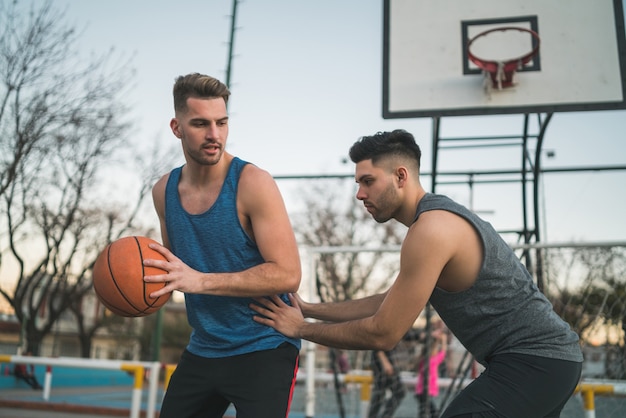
(365, 381)
(589, 390)
(47, 383)
(155, 370)
(366, 396)
(310, 380)
(588, 403)
(138, 371)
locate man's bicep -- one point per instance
(158, 199)
(409, 293)
(272, 230)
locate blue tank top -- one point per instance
(504, 311)
(214, 241)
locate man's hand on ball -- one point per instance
(179, 275)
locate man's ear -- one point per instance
(402, 175)
(175, 128)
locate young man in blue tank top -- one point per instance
(459, 263)
(226, 239)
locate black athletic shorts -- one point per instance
(259, 385)
(518, 386)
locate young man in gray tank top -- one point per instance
(460, 264)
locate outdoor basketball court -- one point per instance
(447, 58)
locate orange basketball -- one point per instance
(118, 277)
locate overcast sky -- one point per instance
(307, 82)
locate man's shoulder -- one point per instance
(158, 189)
(255, 175)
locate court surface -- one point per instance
(108, 402)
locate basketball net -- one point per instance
(500, 78)
(500, 74)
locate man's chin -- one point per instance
(380, 219)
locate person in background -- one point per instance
(343, 364)
(26, 372)
(386, 379)
(436, 357)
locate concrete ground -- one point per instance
(110, 402)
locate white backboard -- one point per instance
(581, 63)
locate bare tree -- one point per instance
(62, 122)
(119, 223)
(591, 286)
(334, 218)
(592, 294)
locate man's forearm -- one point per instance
(360, 334)
(344, 311)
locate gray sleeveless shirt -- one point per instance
(504, 311)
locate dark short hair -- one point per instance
(398, 143)
(199, 86)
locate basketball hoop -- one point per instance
(501, 72)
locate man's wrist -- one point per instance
(304, 330)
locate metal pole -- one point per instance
(435, 151)
(310, 350)
(537, 174)
(231, 42)
(158, 336)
